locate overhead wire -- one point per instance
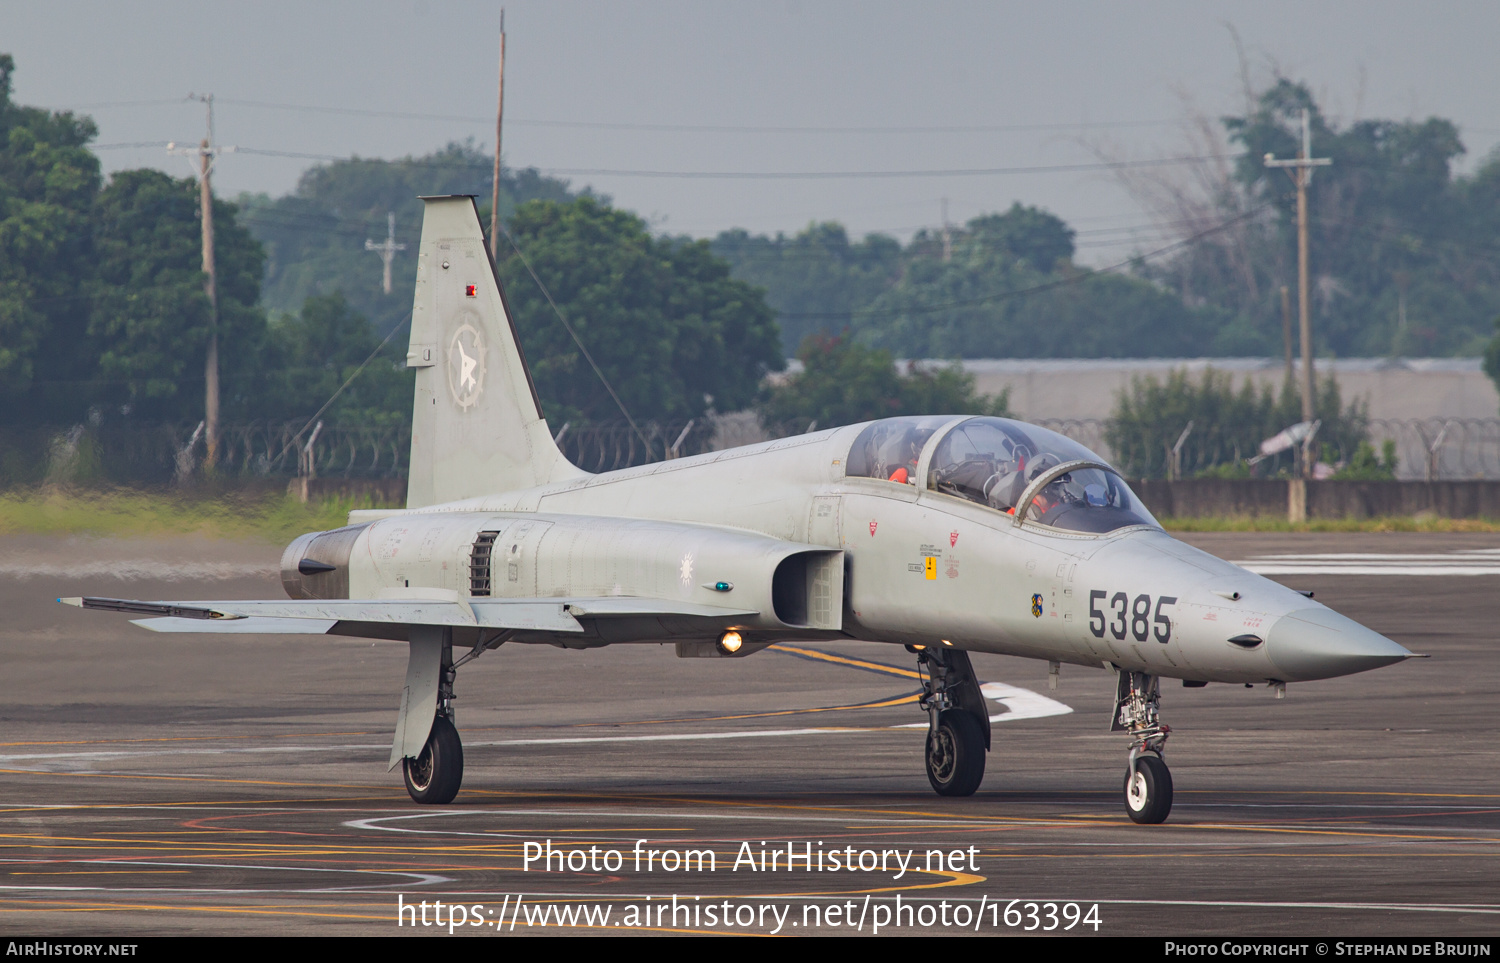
(347, 381)
(573, 334)
(1036, 288)
(750, 175)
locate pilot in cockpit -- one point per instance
(900, 453)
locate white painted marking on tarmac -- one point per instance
(406, 878)
(1470, 562)
(134, 569)
(1022, 703)
(1488, 908)
(202, 751)
(377, 823)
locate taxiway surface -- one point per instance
(174, 784)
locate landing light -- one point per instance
(946, 642)
(730, 642)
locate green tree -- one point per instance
(1228, 425)
(149, 316)
(672, 331)
(816, 279)
(988, 299)
(315, 236)
(1028, 234)
(1366, 465)
(48, 180)
(1492, 356)
(843, 382)
(313, 352)
(1402, 251)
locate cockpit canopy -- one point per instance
(992, 462)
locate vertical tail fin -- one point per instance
(477, 425)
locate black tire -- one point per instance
(434, 776)
(955, 755)
(1152, 799)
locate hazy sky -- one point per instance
(1046, 85)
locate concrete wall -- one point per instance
(1206, 498)
(1400, 388)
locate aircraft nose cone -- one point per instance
(1321, 644)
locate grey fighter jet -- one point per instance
(946, 535)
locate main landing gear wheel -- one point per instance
(1148, 790)
(955, 755)
(435, 775)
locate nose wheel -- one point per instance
(1148, 791)
(1148, 782)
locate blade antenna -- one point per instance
(574, 334)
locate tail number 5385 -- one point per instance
(1135, 616)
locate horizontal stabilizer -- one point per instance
(256, 625)
(318, 616)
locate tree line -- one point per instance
(1404, 257)
(103, 316)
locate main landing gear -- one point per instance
(435, 775)
(959, 734)
(427, 746)
(1148, 782)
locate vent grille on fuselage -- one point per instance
(479, 564)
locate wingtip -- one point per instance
(76, 602)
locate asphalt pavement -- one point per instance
(156, 784)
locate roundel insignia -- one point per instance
(466, 365)
(1036, 606)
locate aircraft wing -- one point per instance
(321, 616)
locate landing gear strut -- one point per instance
(427, 746)
(1148, 782)
(959, 733)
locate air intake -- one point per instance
(479, 564)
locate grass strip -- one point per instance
(272, 516)
(1388, 523)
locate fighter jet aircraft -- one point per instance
(944, 534)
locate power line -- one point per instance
(1036, 288)
(796, 175)
(573, 334)
(661, 127)
(853, 175)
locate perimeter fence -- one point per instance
(1427, 449)
(1433, 449)
(153, 455)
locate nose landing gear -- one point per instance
(1148, 782)
(959, 734)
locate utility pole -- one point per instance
(1300, 171)
(495, 190)
(387, 249)
(947, 235)
(206, 153)
(1286, 334)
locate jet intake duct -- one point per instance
(807, 590)
(316, 565)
